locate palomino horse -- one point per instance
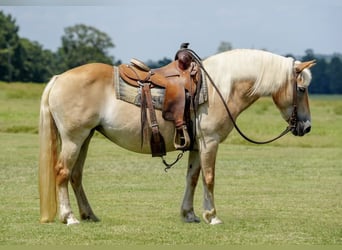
(82, 100)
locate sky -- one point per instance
(154, 29)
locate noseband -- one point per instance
(292, 122)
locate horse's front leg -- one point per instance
(208, 160)
(194, 168)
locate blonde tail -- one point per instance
(48, 139)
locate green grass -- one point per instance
(19, 107)
(285, 193)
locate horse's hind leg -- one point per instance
(67, 158)
(85, 210)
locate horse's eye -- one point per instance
(301, 89)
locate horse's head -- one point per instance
(293, 101)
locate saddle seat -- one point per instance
(140, 72)
(179, 78)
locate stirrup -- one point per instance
(181, 139)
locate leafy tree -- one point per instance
(320, 80)
(335, 73)
(83, 44)
(9, 41)
(21, 59)
(224, 46)
(159, 63)
(35, 63)
(309, 55)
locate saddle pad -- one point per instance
(131, 94)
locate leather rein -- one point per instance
(293, 118)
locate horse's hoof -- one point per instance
(91, 217)
(190, 217)
(194, 219)
(215, 221)
(72, 221)
(211, 218)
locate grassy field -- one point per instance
(285, 193)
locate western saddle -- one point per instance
(180, 79)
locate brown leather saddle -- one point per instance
(180, 79)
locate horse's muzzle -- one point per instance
(302, 128)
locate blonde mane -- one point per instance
(268, 71)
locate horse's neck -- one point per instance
(240, 97)
(237, 97)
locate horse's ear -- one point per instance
(304, 65)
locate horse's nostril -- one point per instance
(307, 130)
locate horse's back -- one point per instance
(86, 79)
(89, 73)
(79, 94)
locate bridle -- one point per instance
(292, 122)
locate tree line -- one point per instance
(27, 61)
